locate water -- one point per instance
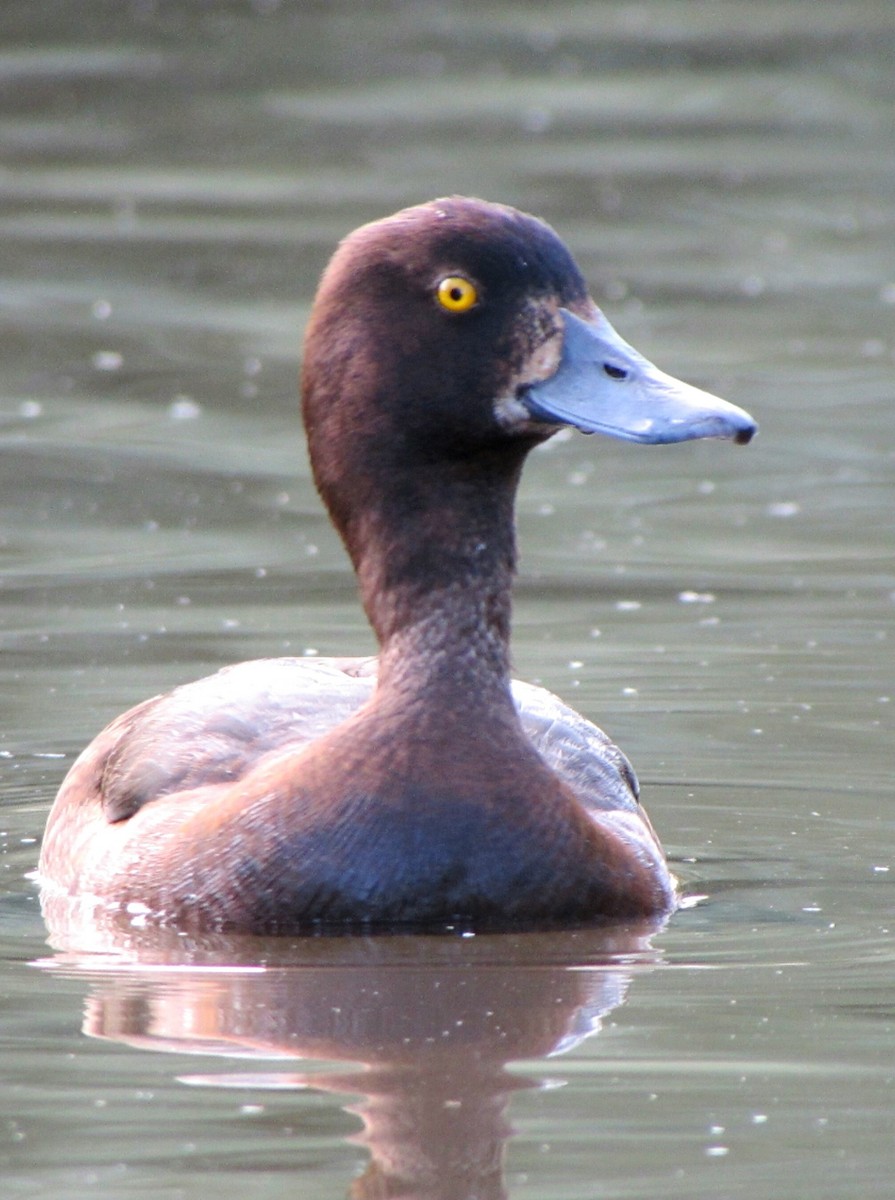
(174, 177)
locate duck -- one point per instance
(423, 789)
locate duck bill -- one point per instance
(603, 385)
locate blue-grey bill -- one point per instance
(603, 385)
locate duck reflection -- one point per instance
(422, 1028)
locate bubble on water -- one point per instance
(184, 408)
(108, 360)
(688, 597)
(783, 508)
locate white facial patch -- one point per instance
(540, 323)
(511, 413)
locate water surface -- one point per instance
(174, 177)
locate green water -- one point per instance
(173, 178)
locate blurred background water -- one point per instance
(173, 177)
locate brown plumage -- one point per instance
(295, 794)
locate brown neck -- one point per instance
(434, 552)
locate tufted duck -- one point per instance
(289, 794)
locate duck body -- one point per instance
(426, 789)
(241, 834)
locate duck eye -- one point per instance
(615, 372)
(456, 294)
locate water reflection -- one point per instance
(421, 1028)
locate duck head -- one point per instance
(458, 325)
(444, 343)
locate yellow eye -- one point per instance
(456, 294)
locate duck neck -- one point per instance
(435, 558)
